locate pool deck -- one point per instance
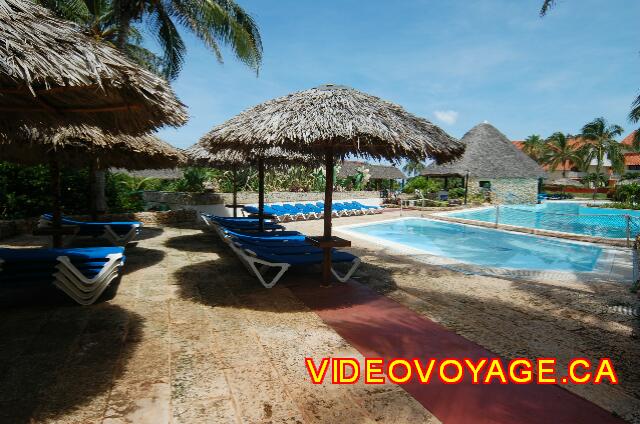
(192, 338)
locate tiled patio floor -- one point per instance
(190, 338)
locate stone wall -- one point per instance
(151, 219)
(215, 202)
(171, 198)
(508, 190)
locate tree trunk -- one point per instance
(124, 24)
(98, 194)
(54, 168)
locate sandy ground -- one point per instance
(191, 338)
(513, 317)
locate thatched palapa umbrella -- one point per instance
(53, 76)
(235, 159)
(333, 121)
(86, 146)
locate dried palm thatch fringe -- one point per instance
(330, 115)
(199, 155)
(51, 74)
(85, 145)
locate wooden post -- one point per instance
(235, 192)
(93, 204)
(466, 188)
(54, 169)
(261, 194)
(328, 210)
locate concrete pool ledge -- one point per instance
(614, 265)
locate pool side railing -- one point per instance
(631, 226)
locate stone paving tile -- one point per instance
(189, 338)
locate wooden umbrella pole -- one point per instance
(92, 190)
(235, 192)
(328, 209)
(54, 169)
(261, 194)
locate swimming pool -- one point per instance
(566, 217)
(482, 246)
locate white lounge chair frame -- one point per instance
(108, 233)
(259, 266)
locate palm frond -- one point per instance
(548, 4)
(71, 10)
(169, 39)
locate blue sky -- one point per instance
(454, 62)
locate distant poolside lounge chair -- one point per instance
(83, 274)
(245, 224)
(372, 209)
(118, 233)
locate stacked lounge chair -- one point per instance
(118, 233)
(83, 274)
(262, 252)
(242, 223)
(288, 212)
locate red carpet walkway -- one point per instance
(380, 327)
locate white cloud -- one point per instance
(449, 117)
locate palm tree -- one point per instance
(214, 22)
(634, 116)
(598, 141)
(559, 151)
(534, 147)
(413, 167)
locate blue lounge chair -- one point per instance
(342, 209)
(334, 212)
(283, 236)
(294, 212)
(308, 211)
(245, 224)
(315, 209)
(372, 209)
(82, 273)
(118, 233)
(260, 260)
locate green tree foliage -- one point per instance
(214, 22)
(423, 184)
(598, 141)
(628, 194)
(534, 147)
(26, 191)
(413, 167)
(558, 151)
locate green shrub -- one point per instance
(456, 193)
(423, 184)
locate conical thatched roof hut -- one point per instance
(89, 146)
(492, 163)
(489, 154)
(350, 168)
(53, 75)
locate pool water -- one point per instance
(565, 217)
(485, 247)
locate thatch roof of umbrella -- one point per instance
(228, 158)
(346, 119)
(489, 154)
(51, 74)
(85, 145)
(376, 172)
(160, 173)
